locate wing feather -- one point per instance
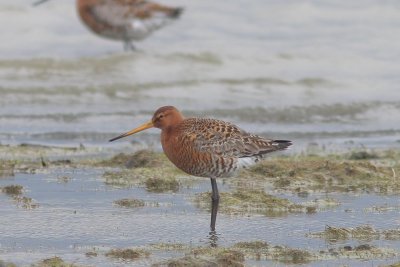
(228, 140)
(132, 19)
(119, 12)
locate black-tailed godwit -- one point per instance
(207, 147)
(125, 20)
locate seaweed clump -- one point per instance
(361, 252)
(159, 185)
(6, 168)
(140, 159)
(54, 262)
(15, 192)
(251, 202)
(290, 255)
(127, 254)
(207, 256)
(362, 155)
(129, 203)
(363, 232)
(160, 179)
(230, 258)
(25, 202)
(253, 249)
(185, 262)
(325, 174)
(12, 190)
(169, 246)
(262, 251)
(252, 245)
(235, 256)
(149, 169)
(334, 234)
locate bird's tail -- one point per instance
(282, 144)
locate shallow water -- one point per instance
(77, 216)
(323, 74)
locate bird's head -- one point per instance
(163, 118)
(166, 116)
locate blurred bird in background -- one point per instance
(125, 20)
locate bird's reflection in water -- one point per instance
(213, 239)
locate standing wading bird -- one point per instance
(207, 147)
(125, 20)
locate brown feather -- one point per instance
(114, 19)
(209, 147)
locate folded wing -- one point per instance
(228, 140)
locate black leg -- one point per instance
(214, 203)
(128, 46)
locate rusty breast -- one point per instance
(85, 9)
(180, 144)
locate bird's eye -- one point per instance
(161, 116)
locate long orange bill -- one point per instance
(142, 127)
(39, 2)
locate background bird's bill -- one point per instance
(142, 127)
(39, 2)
